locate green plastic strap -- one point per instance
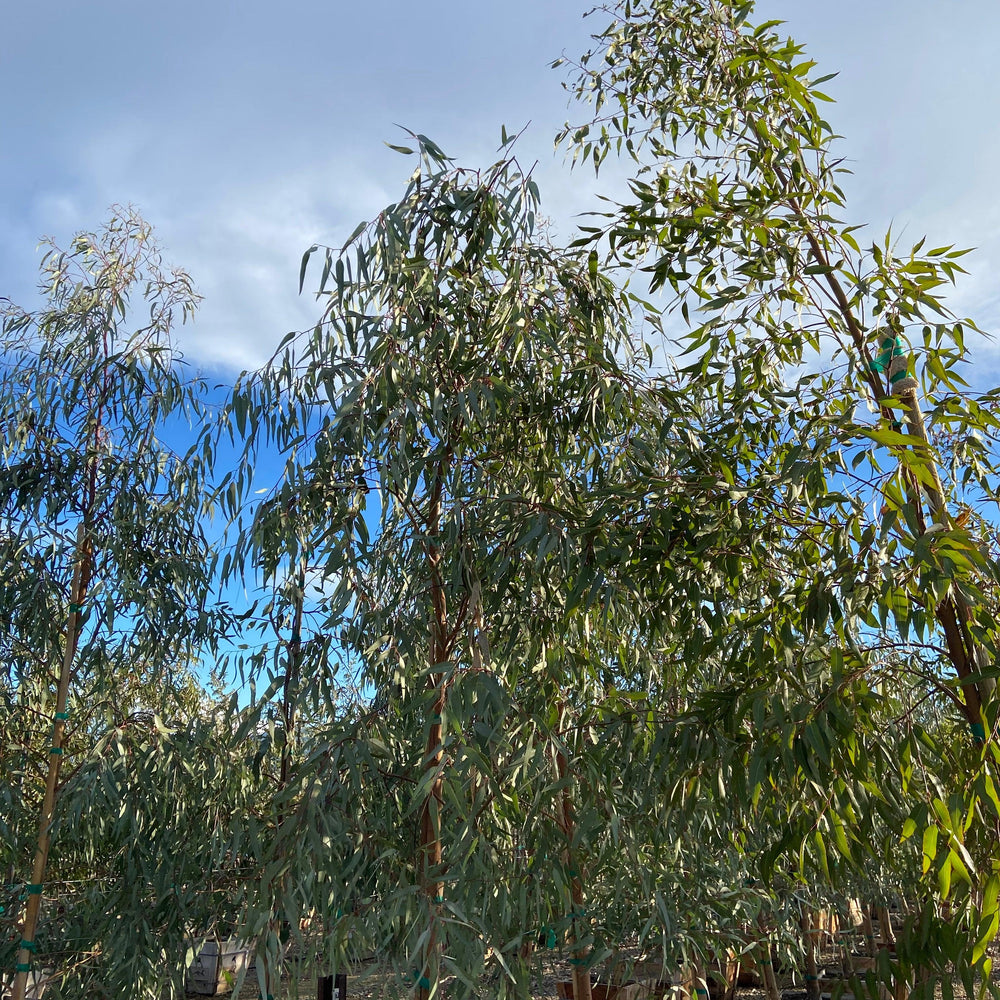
(62, 715)
(573, 874)
(22, 967)
(892, 347)
(811, 978)
(33, 888)
(577, 961)
(978, 731)
(424, 983)
(29, 945)
(439, 899)
(56, 750)
(76, 608)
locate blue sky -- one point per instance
(247, 131)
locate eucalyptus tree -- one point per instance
(448, 426)
(107, 567)
(790, 322)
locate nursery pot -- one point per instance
(332, 987)
(217, 965)
(38, 983)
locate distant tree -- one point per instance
(106, 564)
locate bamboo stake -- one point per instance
(735, 968)
(34, 890)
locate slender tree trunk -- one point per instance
(291, 685)
(269, 969)
(580, 959)
(885, 926)
(81, 574)
(954, 613)
(430, 844)
(810, 935)
(430, 812)
(700, 982)
(766, 963)
(869, 931)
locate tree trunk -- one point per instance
(885, 926)
(764, 960)
(270, 960)
(953, 613)
(581, 968)
(291, 685)
(430, 811)
(33, 906)
(810, 936)
(869, 931)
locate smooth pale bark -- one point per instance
(885, 926)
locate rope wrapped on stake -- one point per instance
(899, 375)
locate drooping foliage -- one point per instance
(883, 609)
(106, 596)
(556, 648)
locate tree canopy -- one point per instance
(550, 646)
